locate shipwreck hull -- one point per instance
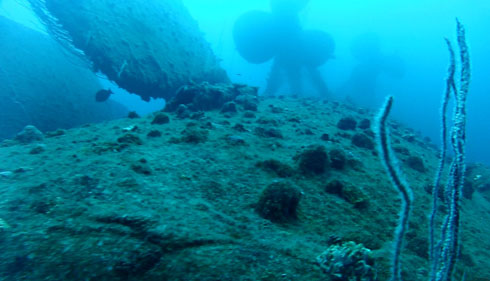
(150, 48)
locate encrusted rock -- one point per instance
(347, 262)
(235, 140)
(268, 132)
(276, 109)
(29, 134)
(56, 133)
(154, 134)
(313, 160)
(279, 202)
(248, 102)
(401, 150)
(350, 193)
(248, 114)
(130, 139)
(308, 132)
(347, 123)
(39, 148)
(160, 118)
(206, 96)
(194, 135)
(338, 158)
(141, 167)
(364, 124)
(355, 195)
(335, 187)
(133, 115)
(229, 107)
(277, 167)
(267, 121)
(416, 163)
(183, 111)
(197, 115)
(363, 141)
(239, 127)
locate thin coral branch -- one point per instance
(433, 251)
(391, 166)
(450, 233)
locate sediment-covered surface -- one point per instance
(176, 196)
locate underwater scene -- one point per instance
(244, 140)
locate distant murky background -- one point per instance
(411, 30)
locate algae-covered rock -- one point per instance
(160, 118)
(347, 123)
(338, 158)
(279, 202)
(416, 163)
(313, 160)
(150, 47)
(350, 193)
(363, 141)
(276, 167)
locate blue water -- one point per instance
(414, 30)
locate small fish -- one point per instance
(103, 95)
